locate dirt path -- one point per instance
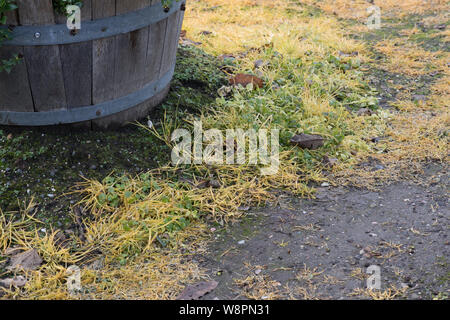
(321, 248)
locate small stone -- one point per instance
(325, 184)
(419, 98)
(215, 184)
(260, 63)
(241, 242)
(378, 167)
(205, 33)
(364, 112)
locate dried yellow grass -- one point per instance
(409, 58)
(357, 9)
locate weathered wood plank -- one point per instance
(131, 53)
(86, 10)
(103, 8)
(103, 51)
(155, 49)
(35, 12)
(46, 77)
(43, 62)
(129, 74)
(12, 17)
(170, 43)
(15, 94)
(77, 70)
(124, 6)
(180, 27)
(77, 66)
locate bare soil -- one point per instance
(403, 228)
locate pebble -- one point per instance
(241, 242)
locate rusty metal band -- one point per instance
(57, 34)
(86, 113)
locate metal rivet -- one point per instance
(37, 35)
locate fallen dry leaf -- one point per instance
(198, 290)
(17, 282)
(246, 79)
(28, 260)
(307, 141)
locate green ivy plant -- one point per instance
(6, 65)
(60, 5)
(167, 3)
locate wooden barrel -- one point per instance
(113, 70)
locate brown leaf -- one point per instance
(28, 260)
(17, 282)
(12, 251)
(307, 141)
(198, 290)
(246, 79)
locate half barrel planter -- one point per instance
(114, 70)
